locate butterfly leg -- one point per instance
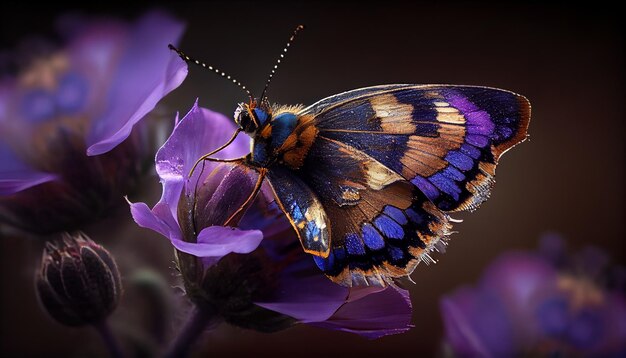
(206, 156)
(239, 160)
(257, 187)
(235, 161)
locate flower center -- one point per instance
(50, 89)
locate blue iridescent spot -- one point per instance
(354, 244)
(503, 133)
(395, 253)
(325, 264)
(446, 185)
(388, 227)
(426, 187)
(470, 150)
(340, 253)
(261, 115)
(414, 216)
(312, 230)
(371, 237)
(460, 160)
(296, 213)
(477, 140)
(396, 214)
(453, 173)
(72, 93)
(479, 122)
(282, 126)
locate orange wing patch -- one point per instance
(298, 144)
(395, 117)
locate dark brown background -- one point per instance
(569, 177)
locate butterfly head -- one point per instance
(253, 115)
(250, 118)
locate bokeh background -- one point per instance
(569, 177)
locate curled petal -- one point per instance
(305, 294)
(219, 241)
(147, 72)
(199, 132)
(158, 219)
(15, 175)
(372, 313)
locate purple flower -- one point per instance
(255, 276)
(68, 151)
(545, 302)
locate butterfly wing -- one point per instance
(444, 139)
(303, 209)
(388, 161)
(380, 224)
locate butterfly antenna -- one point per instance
(211, 68)
(282, 56)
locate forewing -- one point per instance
(446, 140)
(303, 209)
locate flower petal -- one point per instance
(158, 219)
(223, 193)
(15, 175)
(95, 47)
(199, 132)
(219, 241)
(373, 313)
(147, 72)
(305, 294)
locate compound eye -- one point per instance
(241, 115)
(244, 118)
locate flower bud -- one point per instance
(79, 282)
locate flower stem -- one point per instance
(109, 339)
(198, 320)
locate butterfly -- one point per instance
(368, 178)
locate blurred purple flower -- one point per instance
(67, 148)
(255, 276)
(545, 302)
